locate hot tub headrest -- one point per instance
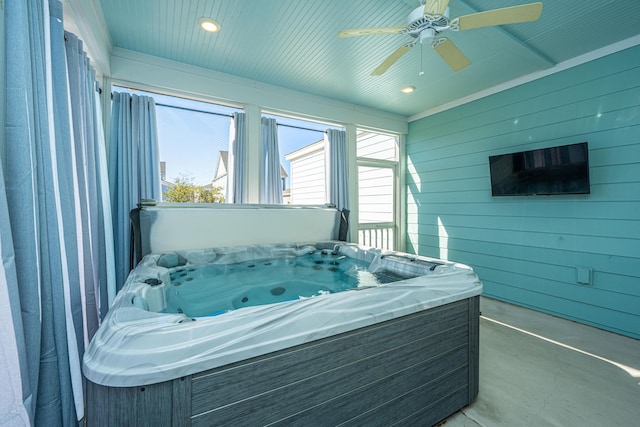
(171, 227)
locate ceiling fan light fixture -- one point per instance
(209, 25)
(428, 34)
(408, 89)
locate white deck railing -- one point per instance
(377, 235)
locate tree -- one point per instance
(185, 191)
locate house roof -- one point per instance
(306, 150)
(222, 166)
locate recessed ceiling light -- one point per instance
(209, 25)
(408, 89)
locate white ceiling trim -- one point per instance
(562, 66)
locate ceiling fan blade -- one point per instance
(435, 7)
(391, 59)
(369, 31)
(508, 15)
(451, 54)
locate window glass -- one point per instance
(375, 194)
(193, 140)
(301, 147)
(377, 146)
(377, 169)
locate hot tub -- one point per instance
(402, 350)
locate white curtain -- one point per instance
(236, 175)
(134, 168)
(52, 239)
(16, 391)
(337, 168)
(97, 256)
(270, 179)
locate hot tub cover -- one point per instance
(134, 346)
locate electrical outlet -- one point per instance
(584, 276)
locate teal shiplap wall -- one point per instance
(527, 250)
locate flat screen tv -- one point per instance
(546, 171)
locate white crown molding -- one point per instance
(562, 66)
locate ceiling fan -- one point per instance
(426, 23)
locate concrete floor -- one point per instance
(539, 370)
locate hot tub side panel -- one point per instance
(414, 370)
(162, 404)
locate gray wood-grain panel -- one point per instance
(430, 414)
(163, 404)
(474, 348)
(392, 397)
(181, 392)
(373, 378)
(264, 374)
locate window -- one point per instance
(193, 139)
(301, 146)
(377, 146)
(376, 194)
(377, 189)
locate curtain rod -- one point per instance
(159, 104)
(192, 109)
(229, 115)
(299, 127)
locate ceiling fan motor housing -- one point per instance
(425, 26)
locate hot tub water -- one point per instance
(215, 289)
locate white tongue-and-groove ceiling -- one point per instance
(294, 44)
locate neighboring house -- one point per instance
(286, 196)
(307, 182)
(221, 173)
(375, 184)
(164, 184)
(286, 193)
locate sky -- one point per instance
(190, 143)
